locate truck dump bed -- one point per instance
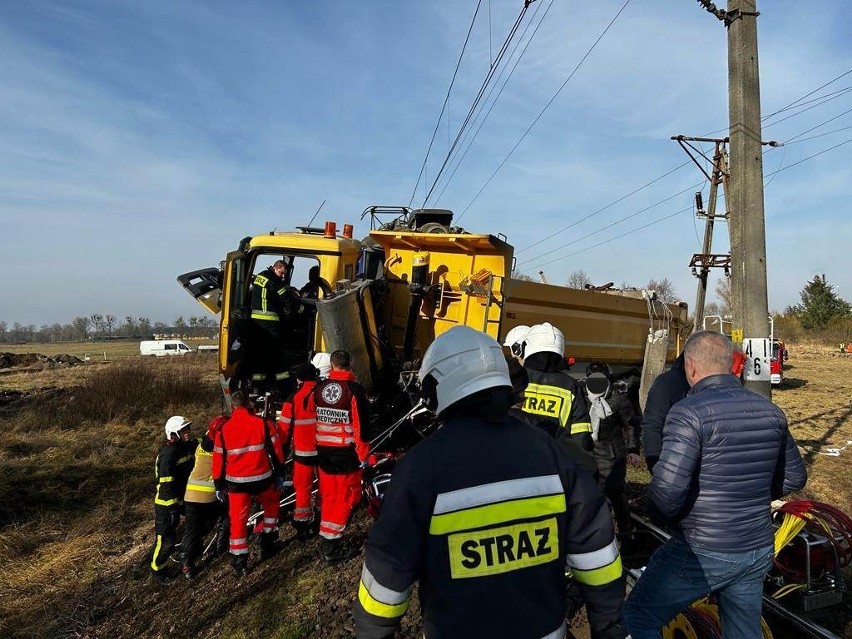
(468, 283)
(604, 326)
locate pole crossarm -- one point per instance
(726, 16)
(685, 144)
(710, 260)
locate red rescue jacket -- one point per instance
(299, 417)
(341, 405)
(242, 449)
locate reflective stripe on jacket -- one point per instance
(172, 468)
(341, 409)
(555, 396)
(242, 449)
(272, 299)
(199, 486)
(489, 541)
(299, 419)
(264, 301)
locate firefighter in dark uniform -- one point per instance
(485, 514)
(172, 468)
(616, 431)
(274, 307)
(520, 381)
(552, 393)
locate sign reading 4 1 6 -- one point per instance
(758, 350)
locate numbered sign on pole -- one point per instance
(758, 350)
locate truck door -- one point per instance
(205, 285)
(235, 314)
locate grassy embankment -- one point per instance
(76, 465)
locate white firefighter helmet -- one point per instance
(459, 363)
(544, 338)
(176, 424)
(514, 338)
(322, 362)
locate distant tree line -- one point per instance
(99, 326)
(579, 279)
(822, 314)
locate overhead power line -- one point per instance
(795, 103)
(621, 220)
(446, 100)
(799, 102)
(821, 135)
(546, 106)
(821, 124)
(807, 95)
(811, 101)
(482, 122)
(815, 155)
(806, 109)
(681, 211)
(604, 208)
(483, 87)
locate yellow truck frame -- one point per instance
(430, 282)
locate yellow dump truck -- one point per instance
(386, 298)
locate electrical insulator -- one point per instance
(699, 202)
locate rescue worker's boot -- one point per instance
(187, 570)
(223, 534)
(161, 578)
(268, 544)
(304, 530)
(240, 564)
(335, 551)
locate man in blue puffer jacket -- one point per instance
(726, 454)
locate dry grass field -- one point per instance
(95, 350)
(76, 516)
(817, 398)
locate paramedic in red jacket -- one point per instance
(299, 420)
(243, 470)
(341, 405)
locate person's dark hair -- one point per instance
(340, 359)
(599, 367)
(239, 399)
(306, 372)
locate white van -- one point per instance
(163, 347)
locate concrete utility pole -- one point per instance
(747, 226)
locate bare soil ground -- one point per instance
(76, 520)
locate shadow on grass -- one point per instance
(814, 445)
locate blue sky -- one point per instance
(141, 140)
